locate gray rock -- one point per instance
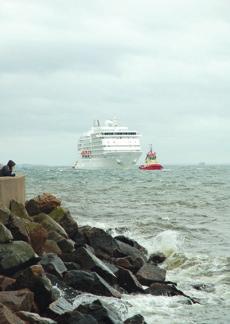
(90, 282)
(4, 215)
(103, 243)
(34, 318)
(15, 256)
(35, 279)
(88, 261)
(53, 264)
(128, 281)
(132, 243)
(150, 273)
(136, 319)
(5, 234)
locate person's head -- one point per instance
(11, 164)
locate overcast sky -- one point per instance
(161, 67)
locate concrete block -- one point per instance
(12, 188)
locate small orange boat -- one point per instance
(151, 162)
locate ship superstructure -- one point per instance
(108, 146)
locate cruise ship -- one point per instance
(108, 146)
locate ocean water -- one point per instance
(183, 211)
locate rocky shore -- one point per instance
(47, 260)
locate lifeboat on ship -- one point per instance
(151, 162)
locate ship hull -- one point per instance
(155, 166)
(109, 161)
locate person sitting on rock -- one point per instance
(7, 170)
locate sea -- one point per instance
(182, 211)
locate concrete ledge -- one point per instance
(12, 188)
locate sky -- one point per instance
(160, 67)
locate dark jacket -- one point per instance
(6, 171)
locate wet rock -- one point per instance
(44, 203)
(135, 257)
(150, 273)
(104, 244)
(63, 217)
(5, 214)
(156, 258)
(165, 289)
(8, 317)
(128, 281)
(72, 266)
(49, 224)
(5, 234)
(90, 282)
(53, 264)
(5, 282)
(66, 245)
(22, 299)
(19, 209)
(132, 243)
(205, 287)
(35, 279)
(101, 312)
(88, 261)
(77, 317)
(59, 307)
(63, 289)
(79, 238)
(136, 319)
(52, 247)
(33, 318)
(129, 263)
(18, 228)
(162, 289)
(16, 256)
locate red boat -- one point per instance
(151, 162)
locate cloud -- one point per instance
(162, 68)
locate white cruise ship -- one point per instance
(108, 146)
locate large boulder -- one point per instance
(135, 256)
(8, 317)
(132, 243)
(33, 318)
(22, 299)
(5, 282)
(100, 311)
(49, 224)
(5, 234)
(51, 246)
(17, 226)
(156, 258)
(53, 264)
(5, 214)
(15, 256)
(166, 289)
(19, 209)
(44, 203)
(150, 273)
(136, 319)
(88, 261)
(103, 243)
(90, 282)
(63, 217)
(128, 281)
(35, 279)
(38, 236)
(66, 245)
